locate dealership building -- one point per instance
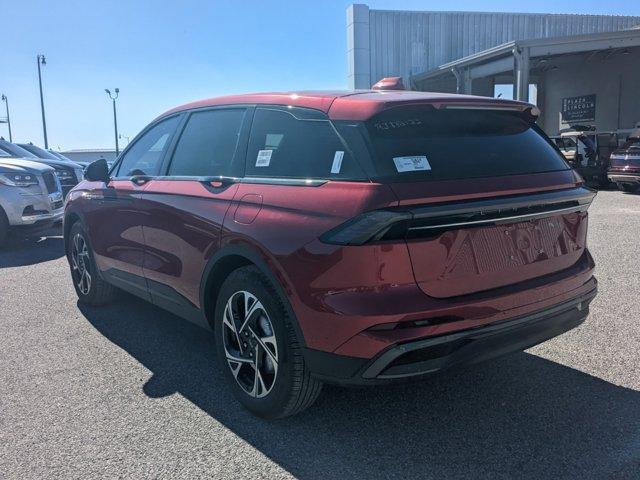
(578, 69)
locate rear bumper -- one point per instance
(430, 355)
(624, 178)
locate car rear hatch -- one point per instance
(485, 199)
(468, 246)
(626, 158)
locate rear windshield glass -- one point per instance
(416, 144)
(39, 152)
(15, 150)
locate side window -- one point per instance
(145, 156)
(208, 143)
(282, 144)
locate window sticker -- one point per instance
(337, 161)
(264, 158)
(411, 164)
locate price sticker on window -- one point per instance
(264, 158)
(411, 164)
(337, 161)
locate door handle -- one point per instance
(221, 181)
(140, 179)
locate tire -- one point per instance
(89, 285)
(285, 386)
(4, 228)
(625, 187)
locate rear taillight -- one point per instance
(431, 220)
(367, 227)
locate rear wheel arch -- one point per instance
(229, 259)
(69, 221)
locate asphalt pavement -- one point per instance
(130, 391)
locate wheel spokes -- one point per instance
(263, 341)
(259, 387)
(84, 284)
(80, 263)
(236, 359)
(249, 343)
(74, 260)
(229, 321)
(252, 305)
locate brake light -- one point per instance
(368, 227)
(530, 110)
(430, 220)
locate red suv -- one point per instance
(353, 238)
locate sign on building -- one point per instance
(579, 109)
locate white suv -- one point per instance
(30, 196)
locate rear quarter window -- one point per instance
(298, 143)
(417, 144)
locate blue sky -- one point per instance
(161, 54)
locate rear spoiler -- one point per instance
(526, 108)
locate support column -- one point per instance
(521, 73)
(358, 49)
(463, 80)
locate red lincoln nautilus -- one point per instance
(348, 237)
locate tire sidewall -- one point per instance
(250, 280)
(628, 188)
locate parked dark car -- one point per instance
(354, 238)
(68, 173)
(60, 156)
(625, 164)
(588, 152)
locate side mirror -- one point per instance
(97, 171)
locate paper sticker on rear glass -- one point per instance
(411, 164)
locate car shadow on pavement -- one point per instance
(22, 250)
(517, 417)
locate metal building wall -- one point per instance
(402, 43)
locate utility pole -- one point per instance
(42, 61)
(115, 117)
(6, 104)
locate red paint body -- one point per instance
(167, 231)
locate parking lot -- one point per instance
(131, 391)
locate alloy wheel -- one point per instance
(80, 264)
(250, 344)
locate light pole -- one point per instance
(115, 117)
(6, 104)
(42, 61)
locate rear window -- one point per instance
(564, 143)
(297, 143)
(417, 144)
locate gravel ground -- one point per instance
(131, 391)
